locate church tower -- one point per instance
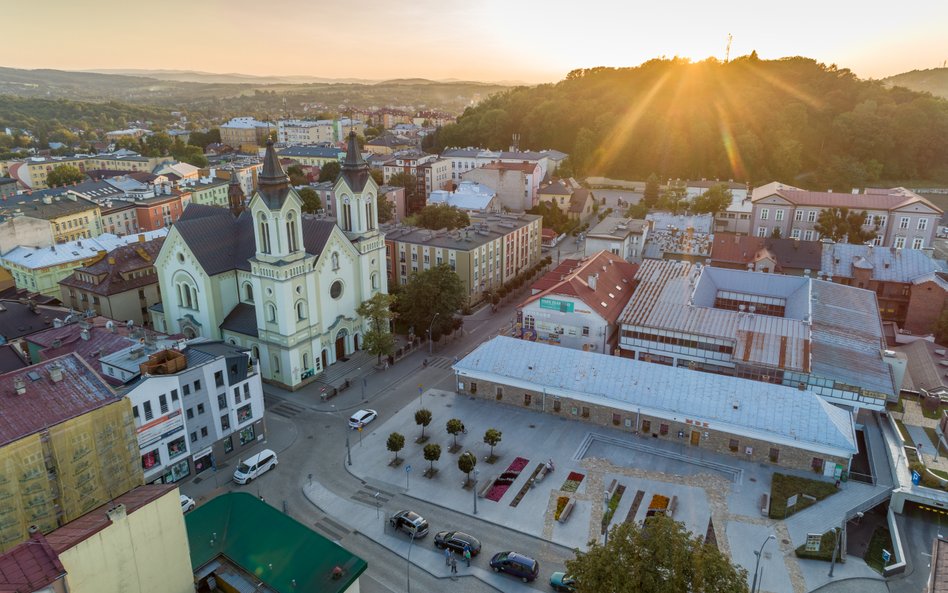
(276, 210)
(355, 193)
(235, 195)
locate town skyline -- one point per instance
(492, 43)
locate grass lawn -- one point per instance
(938, 472)
(783, 487)
(825, 552)
(881, 539)
(933, 414)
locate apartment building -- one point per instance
(245, 134)
(898, 217)
(493, 250)
(312, 156)
(301, 131)
(516, 184)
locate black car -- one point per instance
(518, 565)
(457, 540)
(410, 522)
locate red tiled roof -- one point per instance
(45, 402)
(96, 520)
(876, 199)
(554, 276)
(735, 249)
(615, 284)
(30, 566)
(126, 259)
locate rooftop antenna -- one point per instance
(727, 50)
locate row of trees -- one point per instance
(432, 451)
(790, 119)
(161, 144)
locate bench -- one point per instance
(485, 488)
(765, 504)
(564, 514)
(611, 490)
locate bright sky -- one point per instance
(488, 40)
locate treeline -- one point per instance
(793, 120)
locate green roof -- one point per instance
(253, 535)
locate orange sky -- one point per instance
(487, 40)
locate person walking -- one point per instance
(447, 556)
(454, 567)
(467, 555)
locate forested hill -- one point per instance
(792, 120)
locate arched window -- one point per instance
(346, 216)
(291, 232)
(375, 281)
(271, 313)
(248, 292)
(369, 219)
(306, 364)
(300, 310)
(255, 353)
(263, 234)
(276, 364)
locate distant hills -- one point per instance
(933, 80)
(228, 78)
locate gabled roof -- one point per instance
(579, 199)
(30, 566)
(789, 254)
(557, 188)
(614, 284)
(286, 555)
(556, 275)
(117, 269)
(873, 199)
(242, 320)
(927, 364)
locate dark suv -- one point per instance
(518, 565)
(457, 540)
(410, 522)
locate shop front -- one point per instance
(203, 460)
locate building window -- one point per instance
(807, 235)
(194, 437)
(817, 464)
(899, 242)
(174, 394)
(585, 330)
(646, 426)
(300, 311)
(616, 419)
(200, 408)
(247, 390)
(798, 215)
(335, 289)
(225, 422)
(556, 404)
(135, 411)
(228, 442)
(177, 448)
(248, 292)
(163, 403)
(219, 378)
(271, 313)
(795, 234)
(148, 413)
(197, 385)
(904, 222)
(774, 455)
(244, 413)
(811, 216)
(663, 429)
(221, 401)
(247, 435)
(187, 389)
(778, 214)
(203, 431)
(765, 213)
(585, 412)
(190, 413)
(733, 445)
(499, 392)
(761, 231)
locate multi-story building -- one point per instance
(245, 134)
(22, 230)
(69, 216)
(516, 184)
(122, 285)
(39, 269)
(67, 445)
(910, 285)
(434, 175)
(899, 217)
(194, 408)
(388, 144)
(466, 159)
(209, 191)
(493, 250)
(162, 210)
(469, 196)
(8, 187)
(285, 286)
(88, 337)
(766, 254)
(736, 217)
(789, 330)
(135, 133)
(407, 162)
(32, 172)
(300, 131)
(579, 308)
(312, 156)
(557, 193)
(624, 237)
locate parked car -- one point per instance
(457, 540)
(410, 522)
(560, 581)
(521, 566)
(187, 503)
(255, 466)
(362, 417)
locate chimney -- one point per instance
(55, 373)
(20, 385)
(84, 334)
(116, 513)
(591, 281)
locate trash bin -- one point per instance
(844, 476)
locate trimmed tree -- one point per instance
(466, 463)
(492, 437)
(64, 175)
(395, 444)
(432, 454)
(423, 419)
(454, 426)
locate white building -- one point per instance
(624, 237)
(300, 131)
(193, 408)
(282, 285)
(469, 196)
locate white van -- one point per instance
(255, 466)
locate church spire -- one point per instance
(235, 194)
(273, 174)
(354, 160)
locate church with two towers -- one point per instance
(284, 285)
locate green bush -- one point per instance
(825, 552)
(783, 486)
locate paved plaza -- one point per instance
(714, 494)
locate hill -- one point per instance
(226, 78)
(934, 81)
(791, 119)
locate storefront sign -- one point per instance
(202, 453)
(556, 305)
(159, 428)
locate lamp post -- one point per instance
(474, 489)
(759, 553)
(835, 547)
(408, 562)
(348, 449)
(430, 325)
(605, 523)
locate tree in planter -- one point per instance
(661, 555)
(454, 427)
(395, 444)
(466, 463)
(492, 437)
(432, 454)
(423, 419)
(377, 311)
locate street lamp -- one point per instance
(348, 449)
(408, 562)
(474, 489)
(835, 547)
(759, 553)
(430, 325)
(605, 513)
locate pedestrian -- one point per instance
(467, 555)
(386, 365)
(454, 565)
(447, 556)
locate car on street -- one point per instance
(255, 466)
(187, 503)
(410, 522)
(560, 581)
(362, 417)
(521, 566)
(457, 541)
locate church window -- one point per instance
(306, 362)
(263, 235)
(369, 218)
(271, 313)
(255, 353)
(300, 310)
(347, 216)
(335, 290)
(276, 364)
(375, 281)
(291, 232)
(248, 292)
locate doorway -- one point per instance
(340, 347)
(695, 437)
(325, 357)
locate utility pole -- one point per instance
(727, 50)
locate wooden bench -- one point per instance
(765, 504)
(611, 490)
(485, 488)
(564, 514)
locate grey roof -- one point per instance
(772, 413)
(60, 206)
(927, 365)
(557, 188)
(242, 320)
(617, 227)
(462, 152)
(311, 151)
(272, 174)
(887, 264)
(479, 233)
(355, 171)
